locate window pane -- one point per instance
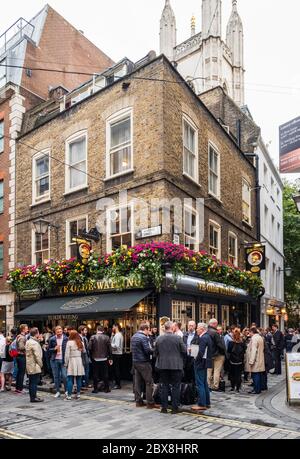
(42, 166)
(42, 186)
(77, 151)
(73, 230)
(82, 225)
(1, 260)
(1, 205)
(45, 241)
(78, 178)
(120, 133)
(126, 239)
(38, 242)
(73, 251)
(116, 242)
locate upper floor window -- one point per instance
(246, 202)
(41, 176)
(1, 136)
(41, 247)
(120, 227)
(73, 229)
(1, 197)
(76, 167)
(190, 149)
(215, 239)
(272, 188)
(1, 259)
(233, 249)
(214, 171)
(119, 144)
(191, 228)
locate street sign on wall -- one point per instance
(289, 145)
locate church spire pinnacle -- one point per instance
(168, 31)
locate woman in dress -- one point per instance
(73, 362)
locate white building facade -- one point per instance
(206, 58)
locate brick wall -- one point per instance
(157, 143)
(61, 47)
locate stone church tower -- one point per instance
(205, 58)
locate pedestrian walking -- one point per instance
(203, 362)
(57, 351)
(34, 363)
(170, 353)
(83, 332)
(73, 363)
(7, 368)
(255, 360)
(236, 356)
(141, 352)
(117, 342)
(101, 355)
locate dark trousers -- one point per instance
(142, 377)
(33, 383)
(277, 358)
(21, 364)
(257, 381)
(117, 359)
(170, 378)
(189, 371)
(264, 381)
(202, 386)
(235, 373)
(100, 373)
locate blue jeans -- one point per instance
(85, 378)
(257, 381)
(202, 386)
(33, 383)
(70, 384)
(59, 374)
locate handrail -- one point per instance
(6, 38)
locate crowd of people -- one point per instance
(183, 366)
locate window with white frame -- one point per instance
(183, 312)
(207, 312)
(191, 228)
(41, 176)
(190, 149)
(73, 229)
(119, 143)
(76, 167)
(41, 247)
(214, 171)
(233, 249)
(120, 227)
(1, 136)
(215, 239)
(246, 202)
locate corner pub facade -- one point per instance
(158, 141)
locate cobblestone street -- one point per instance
(114, 415)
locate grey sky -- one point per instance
(131, 28)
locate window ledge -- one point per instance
(76, 190)
(216, 198)
(247, 224)
(35, 204)
(191, 179)
(112, 177)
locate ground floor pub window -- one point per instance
(183, 312)
(225, 317)
(208, 312)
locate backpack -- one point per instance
(188, 394)
(13, 349)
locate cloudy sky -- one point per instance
(131, 28)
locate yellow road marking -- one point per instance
(13, 436)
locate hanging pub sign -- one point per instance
(83, 250)
(255, 258)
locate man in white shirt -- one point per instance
(177, 329)
(117, 341)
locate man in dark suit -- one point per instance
(278, 346)
(202, 362)
(190, 338)
(170, 353)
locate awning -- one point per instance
(90, 306)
